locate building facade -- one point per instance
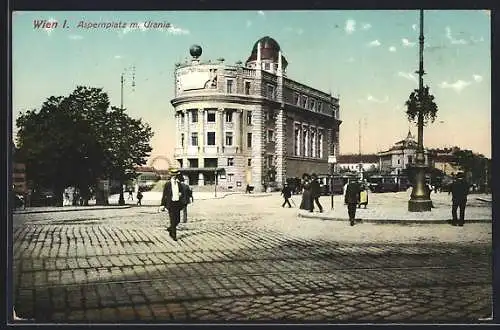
(400, 156)
(358, 163)
(235, 123)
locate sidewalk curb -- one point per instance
(93, 208)
(394, 221)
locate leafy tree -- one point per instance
(77, 139)
(476, 166)
(429, 107)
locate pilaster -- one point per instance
(258, 147)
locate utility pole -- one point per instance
(420, 196)
(121, 199)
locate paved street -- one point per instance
(245, 258)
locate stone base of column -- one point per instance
(420, 205)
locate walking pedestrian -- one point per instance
(139, 197)
(315, 193)
(305, 204)
(187, 197)
(459, 191)
(287, 193)
(171, 200)
(363, 196)
(352, 199)
(130, 195)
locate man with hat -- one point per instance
(172, 200)
(459, 191)
(352, 199)
(315, 193)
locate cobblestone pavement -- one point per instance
(244, 258)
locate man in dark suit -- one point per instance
(315, 193)
(173, 200)
(287, 193)
(459, 191)
(352, 199)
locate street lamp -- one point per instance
(420, 197)
(332, 160)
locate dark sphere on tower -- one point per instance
(195, 50)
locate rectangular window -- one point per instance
(229, 116)
(270, 160)
(313, 145)
(271, 92)
(182, 118)
(210, 162)
(229, 86)
(230, 177)
(229, 138)
(249, 140)
(249, 161)
(194, 139)
(182, 140)
(296, 98)
(270, 135)
(194, 116)
(230, 162)
(211, 117)
(210, 138)
(193, 162)
(320, 106)
(249, 117)
(312, 104)
(247, 88)
(304, 101)
(267, 66)
(297, 141)
(320, 142)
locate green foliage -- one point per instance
(476, 166)
(428, 106)
(75, 140)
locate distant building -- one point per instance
(235, 124)
(400, 156)
(355, 163)
(444, 160)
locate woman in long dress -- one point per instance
(305, 204)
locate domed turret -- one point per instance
(195, 51)
(269, 51)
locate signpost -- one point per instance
(332, 160)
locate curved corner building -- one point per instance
(235, 123)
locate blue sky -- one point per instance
(367, 57)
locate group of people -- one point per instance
(310, 194)
(139, 195)
(175, 198)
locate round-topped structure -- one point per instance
(269, 50)
(195, 51)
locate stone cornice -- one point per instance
(221, 98)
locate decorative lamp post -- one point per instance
(332, 160)
(420, 196)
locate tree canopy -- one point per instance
(425, 102)
(77, 139)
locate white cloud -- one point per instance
(374, 43)
(453, 40)
(350, 26)
(176, 30)
(366, 26)
(410, 76)
(300, 31)
(350, 60)
(477, 78)
(261, 13)
(118, 57)
(392, 49)
(50, 22)
(407, 43)
(75, 37)
(373, 99)
(414, 27)
(249, 23)
(458, 86)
